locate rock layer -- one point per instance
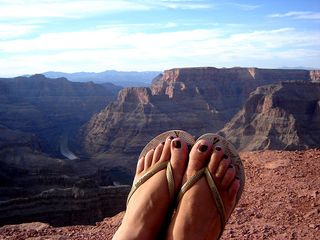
(49, 107)
(38, 116)
(281, 116)
(197, 100)
(70, 206)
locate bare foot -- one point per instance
(197, 216)
(149, 204)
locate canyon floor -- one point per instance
(281, 201)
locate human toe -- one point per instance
(199, 156)
(148, 159)
(228, 177)
(234, 188)
(157, 153)
(223, 166)
(215, 159)
(179, 157)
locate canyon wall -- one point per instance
(50, 108)
(254, 108)
(197, 100)
(70, 206)
(280, 116)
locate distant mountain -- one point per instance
(124, 79)
(299, 67)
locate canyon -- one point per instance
(197, 100)
(68, 150)
(39, 118)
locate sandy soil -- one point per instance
(281, 201)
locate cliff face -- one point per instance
(197, 100)
(49, 107)
(281, 116)
(315, 75)
(70, 206)
(38, 118)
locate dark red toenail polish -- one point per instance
(203, 148)
(171, 137)
(224, 156)
(237, 178)
(177, 144)
(189, 148)
(162, 143)
(230, 166)
(218, 148)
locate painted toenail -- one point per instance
(203, 148)
(218, 148)
(230, 166)
(189, 147)
(162, 143)
(171, 137)
(177, 144)
(237, 178)
(224, 156)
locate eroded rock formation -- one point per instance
(37, 116)
(280, 116)
(69, 206)
(48, 107)
(197, 100)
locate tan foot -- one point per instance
(149, 204)
(197, 216)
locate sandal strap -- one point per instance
(217, 200)
(214, 190)
(189, 184)
(152, 171)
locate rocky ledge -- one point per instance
(84, 204)
(281, 200)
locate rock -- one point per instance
(281, 116)
(197, 100)
(315, 75)
(69, 206)
(276, 221)
(49, 108)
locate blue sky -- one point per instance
(98, 35)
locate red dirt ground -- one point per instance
(281, 201)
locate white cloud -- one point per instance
(298, 15)
(33, 9)
(117, 48)
(180, 4)
(245, 7)
(10, 31)
(65, 9)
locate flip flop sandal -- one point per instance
(162, 165)
(230, 150)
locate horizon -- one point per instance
(96, 36)
(134, 71)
